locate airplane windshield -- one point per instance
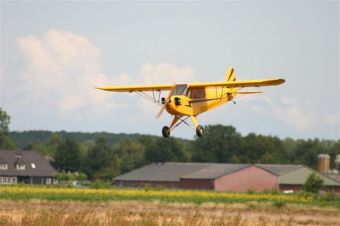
(180, 89)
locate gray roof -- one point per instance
(35, 164)
(215, 171)
(169, 171)
(173, 171)
(278, 169)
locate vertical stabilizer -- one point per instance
(230, 75)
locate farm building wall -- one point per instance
(206, 184)
(131, 183)
(297, 187)
(250, 178)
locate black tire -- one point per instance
(166, 131)
(199, 131)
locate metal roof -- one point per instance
(169, 171)
(35, 164)
(173, 171)
(300, 175)
(215, 171)
(278, 169)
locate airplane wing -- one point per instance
(137, 88)
(241, 84)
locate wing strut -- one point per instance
(156, 99)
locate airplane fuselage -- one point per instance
(193, 102)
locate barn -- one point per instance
(223, 177)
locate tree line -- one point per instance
(105, 155)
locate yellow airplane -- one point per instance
(190, 100)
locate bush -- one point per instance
(329, 196)
(313, 184)
(101, 184)
(63, 176)
(278, 204)
(81, 177)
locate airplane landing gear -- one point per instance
(166, 131)
(199, 131)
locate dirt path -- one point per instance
(156, 213)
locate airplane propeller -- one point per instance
(165, 102)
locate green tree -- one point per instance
(219, 144)
(52, 144)
(262, 149)
(67, 156)
(109, 172)
(162, 150)
(131, 154)
(306, 152)
(98, 158)
(313, 184)
(5, 140)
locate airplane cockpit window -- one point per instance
(180, 89)
(197, 93)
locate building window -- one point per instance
(3, 166)
(48, 180)
(7, 180)
(20, 166)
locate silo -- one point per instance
(323, 163)
(337, 162)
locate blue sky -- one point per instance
(53, 54)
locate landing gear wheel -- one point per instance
(166, 131)
(199, 130)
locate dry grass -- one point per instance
(135, 213)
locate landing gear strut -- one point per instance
(199, 129)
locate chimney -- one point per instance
(323, 163)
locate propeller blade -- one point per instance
(161, 111)
(165, 102)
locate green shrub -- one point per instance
(278, 204)
(328, 196)
(313, 184)
(97, 184)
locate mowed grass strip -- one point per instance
(165, 195)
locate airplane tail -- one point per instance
(230, 75)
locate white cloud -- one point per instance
(165, 73)
(331, 120)
(62, 69)
(61, 72)
(288, 111)
(70, 103)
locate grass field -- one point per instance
(28, 205)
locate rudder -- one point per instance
(230, 75)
